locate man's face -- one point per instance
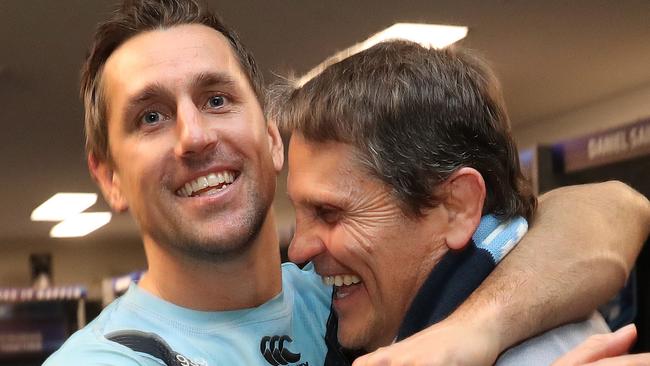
(351, 227)
(192, 156)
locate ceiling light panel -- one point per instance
(80, 225)
(63, 205)
(428, 35)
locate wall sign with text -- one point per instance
(616, 144)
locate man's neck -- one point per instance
(247, 281)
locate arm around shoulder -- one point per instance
(609, 218)
(581, 247)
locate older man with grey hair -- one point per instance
(408, 191)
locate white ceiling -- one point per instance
(552, 56)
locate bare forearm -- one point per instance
(578, 253)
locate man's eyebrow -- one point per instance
(206, 79)
(157, 90)
(320, 199)
(150, 92)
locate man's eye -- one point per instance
(216, 101)
(329, 215)
(152, 117)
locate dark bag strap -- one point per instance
(149, 343)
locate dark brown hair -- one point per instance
(134, 17)
(415, 116)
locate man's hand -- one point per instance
(605, 350)
(450, 342)
(417, 350)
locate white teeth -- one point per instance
(203, 182)
(347, 280)
(210, 180)
(341, 294)
(213, 180)
(340, 280)
(195, 185)
(209, 192)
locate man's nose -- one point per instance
(195, 134)
(305, 247)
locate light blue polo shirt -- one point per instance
(287, 330)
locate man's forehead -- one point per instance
(305, 153)
(325, 166)
(168, 56)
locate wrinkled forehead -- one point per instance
(324, 167)
(168, 58)
(310, 156)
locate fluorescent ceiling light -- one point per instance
(428, 35)
(63, 205)
(80, 225)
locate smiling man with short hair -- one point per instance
(408, 190)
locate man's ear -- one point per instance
(108, 181)
(275, 145)
(464, 199)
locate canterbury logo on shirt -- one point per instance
(274, 351)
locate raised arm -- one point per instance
(578, 253)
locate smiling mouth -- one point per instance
(207, 185)
(343, 284)
(341, 280)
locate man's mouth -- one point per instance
(207, 185)
(343, 284)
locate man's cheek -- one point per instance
(361, 238)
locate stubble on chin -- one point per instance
(222, 244)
